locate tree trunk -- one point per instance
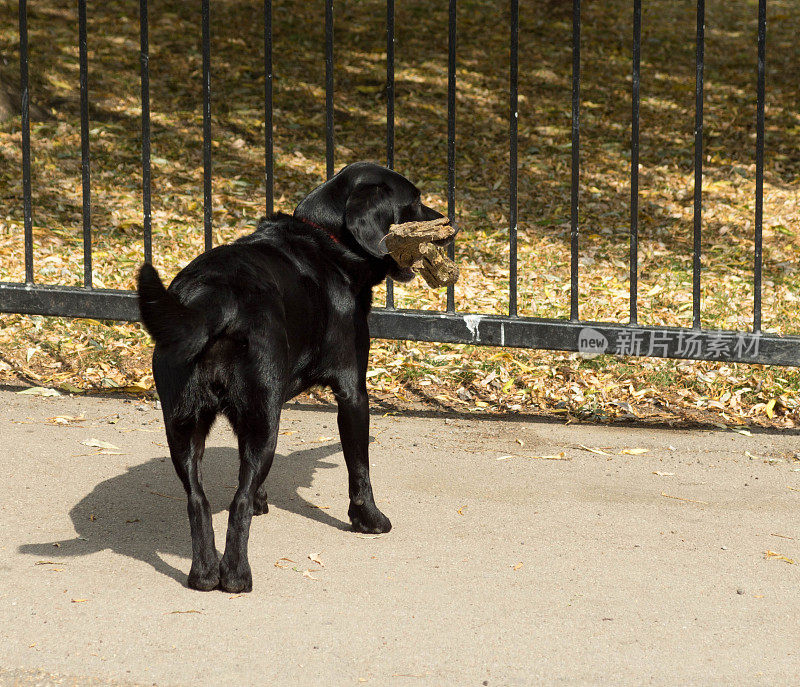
(9, 100)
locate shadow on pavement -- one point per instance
(142, 513)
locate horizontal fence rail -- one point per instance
(568, 334)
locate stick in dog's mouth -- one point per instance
(420, 247)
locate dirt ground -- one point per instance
(523, 552)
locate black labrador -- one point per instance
(246, 326)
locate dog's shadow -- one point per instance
(142, 513)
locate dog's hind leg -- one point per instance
(260, 504)
(258, 437)
(186, 446)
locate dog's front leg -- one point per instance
(353, 421)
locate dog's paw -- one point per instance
(204, 578)
(235, 579)
(368, 520)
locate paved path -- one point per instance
(595, 569)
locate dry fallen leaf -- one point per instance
(283, 562)
(79, 601)
(97, 443)
(307, 573)
(633, 451)
(777, 556)
(557, 456)
(599, 451)
(66, 419)
(678, 498)
(319, 440)
(39, 391)
(517, 566)
(663, 474)
(314, 557)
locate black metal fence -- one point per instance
(448, 326)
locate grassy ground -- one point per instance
(82, 355)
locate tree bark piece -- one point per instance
(411, 245)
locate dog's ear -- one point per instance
(368, 215)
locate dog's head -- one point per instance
(360, 203)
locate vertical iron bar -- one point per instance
(329, 141)
(760, 97)
(207, 201)
(576, 91)
(389, 115)
(698, 162)
(390, 84)
(634, 247)
(144, 63)
(269, 169)
(513, 127)
(451, 135)
(84, 81)
(26, 139)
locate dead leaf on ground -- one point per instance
(66, 419)
(678, 498)
(591, 449)
(633, 451)
(98, 443)
(556, 456)
(39, 391)
(314, 557)
(772, 555)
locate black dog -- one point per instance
(247, 326)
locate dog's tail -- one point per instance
(180, 330)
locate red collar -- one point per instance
(320, 227)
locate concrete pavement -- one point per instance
(504, 567)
